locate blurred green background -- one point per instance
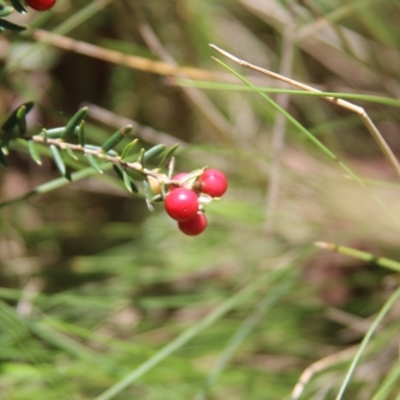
(94, 288)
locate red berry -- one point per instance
(178, 177)
(41, 5)
(213, 182)
(181, 204)
(194, 226)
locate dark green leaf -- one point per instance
(93, 163)
(170, 152)
(122, 175)
(81, 134)
(12, 120)
(69, 132)
(116, 138)
(18, 6)
(3, 159)
(127, 149)
(58, 160)
(34, 152)
(12, 27)
(127, 181)
(5, 11)
(21, 120)
(154, 151)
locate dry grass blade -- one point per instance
(319, 366)
(340, 102)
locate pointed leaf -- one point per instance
(127, 181)
(149, 195)
(127, 149)
(71, 153)
(3, 159)
(93, 163)
(171, 167)
(34, 152)
(69, 132)
(5, 11)
(170, 152)
(12, 120)
(55, 133)
(12, 27)
(141, 157)
(58, 160)
(154, 151)
(122, 175)
(81, 134)
(21, 120)
(116, 138)
(18, 6)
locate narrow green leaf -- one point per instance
(170, 152)
(55, 133)
(12, 27)
(81, 134)
(93, 163)
(34, 152)
(18, 6)
(141, 157)
(12, 120)
(6, 11)
(116, 138)
(127, 181)
(71, 153)
(121, 174)
(69, 131)
(58, 160)
(154, 151)
(3, 159)
(127, 149)
(21, 120)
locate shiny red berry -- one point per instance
(41, 5)
(194, 226)
(213, 182)
(181, 204)
(178, 177)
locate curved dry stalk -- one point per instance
(116, 57)
(340, 102)
(319, 366)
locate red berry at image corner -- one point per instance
(181, 204)
(194, 226)
(41, 5)
(214, 182)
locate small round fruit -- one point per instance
(41, 5)
(213, 182)
(178, 177)
(181, 204)
(194, 226)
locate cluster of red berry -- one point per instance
(182, 201)
(41, 5)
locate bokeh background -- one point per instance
(95, 288)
